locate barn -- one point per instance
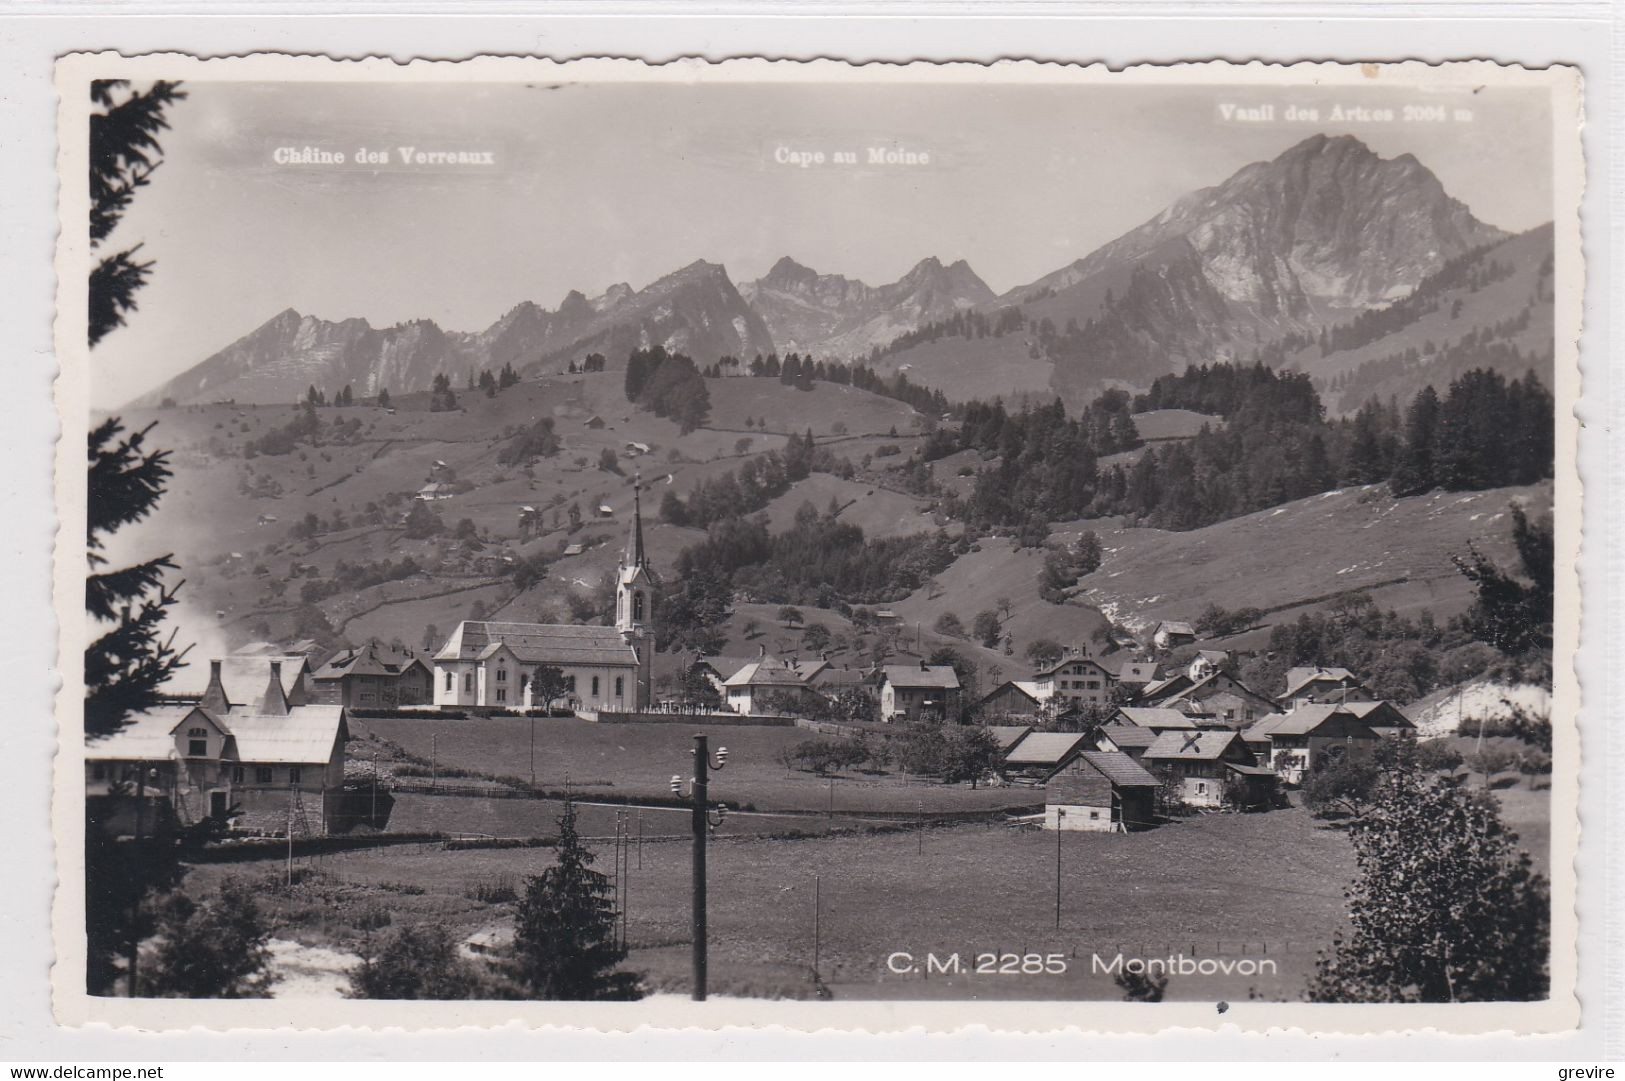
(1099, 791)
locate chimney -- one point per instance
(214, 695)
(274, 703)
(923, 665)
(761, 652)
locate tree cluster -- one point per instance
(668, 385)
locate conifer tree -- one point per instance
(564, 930)
(127, 663)
(124, 153)
(1414, 472)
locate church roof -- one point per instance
(539, 643)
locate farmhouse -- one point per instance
(1311, 737)
(1218, 693)
(1171, 634)
(1012, 698)
(910, 693)
(1307, 686)
(1383, 718)
(1135, 675)
(763, 686)
(1075, 680)
(280, 764)
(488, 664)
(374, 677)
(831, 682)
(1197, 764)
(1102, 791)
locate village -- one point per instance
(1101, 746)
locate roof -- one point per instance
(1125, 736)
(540, 643)
(1388, 715)
(1050, 670)
(933, 676)
(1120, 769)
(830, 676)
(1156, 687)
(1297, 678)
(723, 666)
(246, 677)
(1249, 771)
(305, 735)
(1008, 735)
(370, 660)
(1156, 717)
(1043, 748)
(1026, 687)
(1305, 719)
(1260, 730)
(765, 672)
(1174, 626)
(1212, 679)
(1136, 672)
(1204, 745)
(146, 735)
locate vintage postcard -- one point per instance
(763, 543)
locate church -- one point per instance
(489, 664)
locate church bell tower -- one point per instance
(635, 598)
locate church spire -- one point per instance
(634, 557)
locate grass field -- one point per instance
(1298, 555)
(1192, 887)
(639, 760)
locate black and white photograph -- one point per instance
(1008, 541)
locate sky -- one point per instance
(589, 185)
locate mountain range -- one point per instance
(1260, 264)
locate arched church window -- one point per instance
(637, 606)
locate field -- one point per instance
(979, 368)
(1300, 555)
(640, 759)
(1190, 887)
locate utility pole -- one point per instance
(290, 836)
(702, 760)
(640, 840)
(434, 756)
(818, 913)
(1060, 820)
(700, 820)
(533, 752)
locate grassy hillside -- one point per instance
(1300, 555)
(993, 570)
(967, 368)
(233, 521)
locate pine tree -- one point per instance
(128, 662)
(1414, 472)
(383, 397)
(124, 153)
(564, 930)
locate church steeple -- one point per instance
(634, 601)
(633, 556)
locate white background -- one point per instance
(1117, 33)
